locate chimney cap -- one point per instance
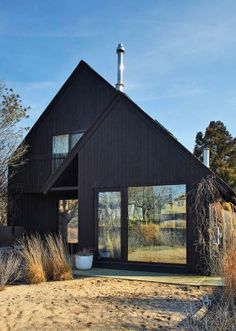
(120, 48)
(206, 156)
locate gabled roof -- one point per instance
(82, 65)
(118, 97)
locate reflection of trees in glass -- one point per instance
(109, 209)
(157, 223)
(147, 203)
(68, 220)
(109, 223)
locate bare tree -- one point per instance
(11, 133)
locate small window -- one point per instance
(74, 138)
(60, 149)
(61, 146)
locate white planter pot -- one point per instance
(83, 262)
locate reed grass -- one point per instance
(229, 268)
(33, 254)
(57, 264)
(10, 269)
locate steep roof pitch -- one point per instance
(118, 97)
(77, 71)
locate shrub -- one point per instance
(57, 260)
(9, 268)
(33, 252)
(229, 266)
(151, 234)
(220, 316)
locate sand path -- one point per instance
(96, 304)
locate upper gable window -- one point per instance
(74, 138)
(61, 145)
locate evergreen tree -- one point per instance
(222, 151)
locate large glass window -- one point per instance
(157, 224)
(68, 220)
(109, 224)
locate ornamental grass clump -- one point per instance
(33, 254)
(230, 272)
(10, 269)
(58, 264)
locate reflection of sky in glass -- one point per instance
(74, 138)
(61, 144)
(176, 190)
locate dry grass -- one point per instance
(58, 265)
(220, 316)
(45, 260)
(9, 268)
(33, 252)
(230, 272)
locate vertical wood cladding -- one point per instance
(129, 150)
(35, 212)
(76, 106)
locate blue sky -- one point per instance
(180, 61)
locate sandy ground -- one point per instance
(97, 304)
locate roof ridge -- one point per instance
(82, 64)
(175, 140)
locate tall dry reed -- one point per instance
(230, 272)
(58, 264)
(33, 254)
(220, 316)
(10, 269)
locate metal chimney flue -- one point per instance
(206, 157)
(120, 50)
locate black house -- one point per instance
(105, 175)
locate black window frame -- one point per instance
(57, 161)
(124, 226)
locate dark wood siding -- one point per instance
(77, 105)
(35, 212)
(75, 108)
(129, 150)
